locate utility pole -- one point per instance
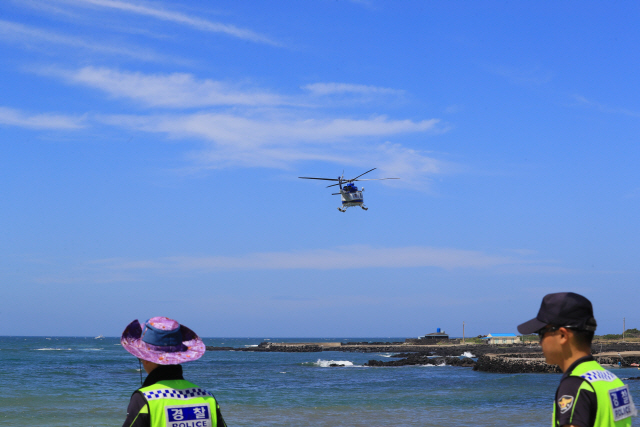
(463, 332)
(623, 328)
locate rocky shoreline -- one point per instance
(422, 359)
(513, 358)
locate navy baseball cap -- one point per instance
(562, 309)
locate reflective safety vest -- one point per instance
(615, 405)
(179, 403)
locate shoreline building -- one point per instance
(502, 339)
(431, 338)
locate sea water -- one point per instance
(54, 381)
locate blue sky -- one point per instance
(150, 154)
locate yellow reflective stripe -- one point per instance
(144, 410)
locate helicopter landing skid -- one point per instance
(344, 208)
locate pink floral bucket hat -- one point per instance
(163, 341)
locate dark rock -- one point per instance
(284, 348)
(213, 348)
(509, 365)
(424, 359)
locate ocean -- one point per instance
(63, 381)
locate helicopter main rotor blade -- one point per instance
(374, 179)
(323, 179)
(363, 174)
(333, 185)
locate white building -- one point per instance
(502, 339)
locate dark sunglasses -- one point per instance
(544, 330)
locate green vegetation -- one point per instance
(632, 333)
(629, 333)
(609, 337)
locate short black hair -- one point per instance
(583, 338)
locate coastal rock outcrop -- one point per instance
(514, 365)
(424, 359)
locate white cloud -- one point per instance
(249, 131)
(342, 88)
(268, 131)
(178, 18)
(19, 33)
(275, 141)
(412, 165)
(605, 108)
(349, 257)
(178, 90)
(13, 117)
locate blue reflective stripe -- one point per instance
(170, 393)
(599, 375)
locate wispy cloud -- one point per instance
(12, 32)
(276, 140)
(239, 131)
(13, 117)
(258, 128)
(349, 257)
(342, 88)
(605, 108)
(151, 10)
(177, 90)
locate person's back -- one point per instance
(166, 399)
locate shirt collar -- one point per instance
(164, 372)
(568, 372)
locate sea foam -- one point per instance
(52, 349)
(326, 363)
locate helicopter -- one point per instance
(351, 196)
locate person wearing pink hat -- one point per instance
(166, 399)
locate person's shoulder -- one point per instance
(572, 384)
(572, 388)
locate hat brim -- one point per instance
(192, 347)
(533, 325)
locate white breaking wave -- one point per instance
(326, 363)
(467, 354)
(251, 345)
(52, 349)
(386, 355)
(432, 366)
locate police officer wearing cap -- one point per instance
(588, 395)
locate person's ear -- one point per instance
(565, 335)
